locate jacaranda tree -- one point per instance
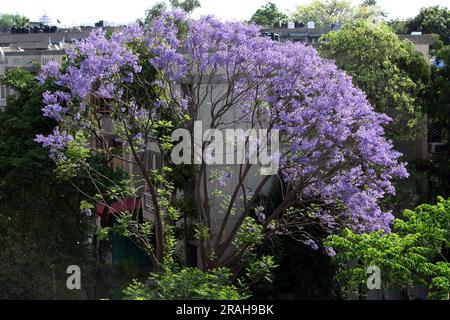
(333, 156)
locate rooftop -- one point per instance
(288, 33)
(63, 35)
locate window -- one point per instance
(2, 97)
(2, 92)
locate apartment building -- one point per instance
(30, 59)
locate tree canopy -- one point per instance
(326, 12)
(432, 20)
(335, 154)
(41, 227)
(268, 15)
(415, 253)
(390, 72)
(9, 20)
(155, 11)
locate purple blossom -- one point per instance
(224, 178)
(50, 70)
(330, 252)
(53, 111)
(87, 212)
(260, 216)
(332, 137)
(312, 244)
(54, 142)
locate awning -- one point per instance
(126, 205)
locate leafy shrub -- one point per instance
(414, 253)
(187, 284)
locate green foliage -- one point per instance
(412, 254)
(439, 95)
(432, 20)
(42, 230)
(437, 166)
(185, 284)
(187, 6)
(154, 12)
(249, 235)
(46, 232)
(21, 80)
(398, 26)
(326, 12)
(259, 271)
(9, 20)
(268, 15)
(392, 74)
(368, 3)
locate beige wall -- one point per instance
(423, 49)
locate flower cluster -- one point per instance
(96, 66)
(55, 141)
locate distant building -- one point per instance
(300, 34)
(27, 56)
(311, 35)
(422, 42)
(36, 44)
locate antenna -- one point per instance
(45, 20)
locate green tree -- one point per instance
(399, 26)
(186, 284)
(326, 12)
(41, 227)
(6, 22)
(368, 3)
(439, 97)
(437, 166)
(435, 20)
(187, 6)
(21, 21)
(268, 15)
(414, 253)
(392, 74)
(9, 20)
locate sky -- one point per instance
(85, 12)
